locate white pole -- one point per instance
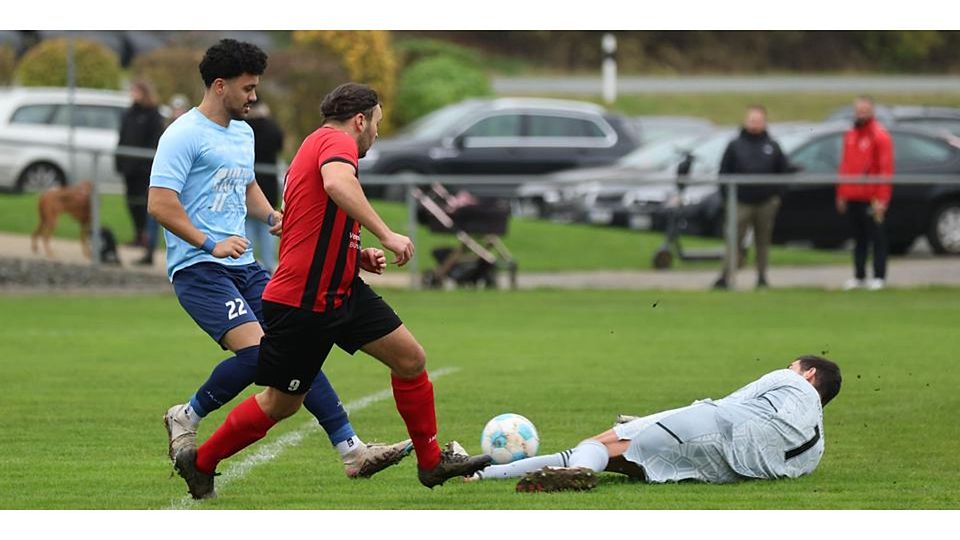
(609, 68)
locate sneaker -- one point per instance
(558, 479)
(199, 484)
(876, 284)
(454, 461)
(762, 283)
(721, 284)
(375, 457)
(624, 418)
(854, 283)
(180, 431)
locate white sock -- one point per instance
(349, 446)
(591, 454)
(523, 466)
(191, 416)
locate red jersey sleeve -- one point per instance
(339, 148)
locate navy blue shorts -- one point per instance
(220, 297)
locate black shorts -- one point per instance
(297, 341)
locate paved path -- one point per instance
(903, 272)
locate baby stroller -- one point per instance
(471, 262)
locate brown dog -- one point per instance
(73, 200)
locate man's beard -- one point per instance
(860, 122)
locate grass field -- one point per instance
(539, 246)
(86, 380)
(728, 108)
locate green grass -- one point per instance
(728, 108)
(86, 380)
(539, 246)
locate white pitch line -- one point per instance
(271, 451)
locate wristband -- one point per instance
(208, 245)
(270, 219)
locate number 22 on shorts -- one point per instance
(237, 308)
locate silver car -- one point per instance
(35, 133)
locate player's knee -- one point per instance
(412, 362)
(278, 405)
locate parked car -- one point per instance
(515, 136)
(945, 120)
(808, 212)
(34, 129)
(658, 128)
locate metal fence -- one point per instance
(506, 186)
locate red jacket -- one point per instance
(867, 151)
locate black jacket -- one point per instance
(140, 127)
(754, 154)
(267, 143)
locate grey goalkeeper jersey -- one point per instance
(771, 428)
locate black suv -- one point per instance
(515, 136)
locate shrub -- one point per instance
(435, 82)
(45, 64)
(8, 61)
(366, 56)
(172, 70)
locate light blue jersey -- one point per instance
(209, 166)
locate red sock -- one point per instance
(245, 425)
(414, 399)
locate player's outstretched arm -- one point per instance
(164, 205)
(342, 186)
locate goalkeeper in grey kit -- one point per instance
(770, 428)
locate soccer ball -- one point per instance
(509, 437)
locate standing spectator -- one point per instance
(867, 151)
(268, 142)
(178, 105)
(754, 152)
(140, 127)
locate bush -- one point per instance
(434, 82)
(293, 86)
(411, 51)
(45, 64)
(365, 55)
(8, 61)
(173, 70)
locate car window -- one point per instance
(33, 114)
(820, 156)
(90, 116)
(909, 148)
(559, 126)
(505, 125)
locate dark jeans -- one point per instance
(137, 185)
(867, 231)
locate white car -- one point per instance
(34, 134)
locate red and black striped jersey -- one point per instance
(320, 244)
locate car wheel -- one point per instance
(944, 232)
(40, 176)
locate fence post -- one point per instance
(412, 233)
(732, 249)
(95, 247)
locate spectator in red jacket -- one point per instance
(867, 151)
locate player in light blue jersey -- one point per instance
(202, 189)
(770, 428)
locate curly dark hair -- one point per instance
(827, 381)
(231, 58)
(348, 99)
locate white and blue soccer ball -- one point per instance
(509, 437)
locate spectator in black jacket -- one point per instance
(754, 152)
(140, 127)
(268, 142)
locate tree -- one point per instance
(45, 64)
